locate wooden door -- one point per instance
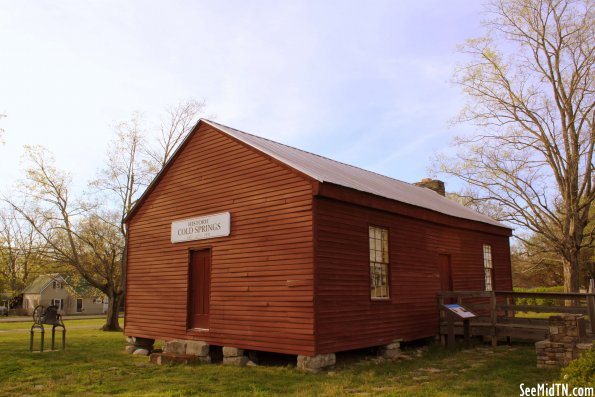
(445, 270)
(200, 288)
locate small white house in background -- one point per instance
(53, 289)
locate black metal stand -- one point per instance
(467, 333)
(450, 338)
(31, 337)
(42, 342)
(47, 316)
(63, 335)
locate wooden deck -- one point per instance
(498, 313)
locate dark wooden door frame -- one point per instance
(199, 288)
(444, 263)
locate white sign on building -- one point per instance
(210, 226)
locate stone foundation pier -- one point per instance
(316, 363)
(182, 352)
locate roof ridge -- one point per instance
(313, 154)
(324, 169)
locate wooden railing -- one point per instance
(503, 313)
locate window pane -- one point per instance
(379, 280)
(379, 283)
(384, 281)
(488, 279)
(487, 265)
(487, 256)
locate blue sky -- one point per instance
(366, 83)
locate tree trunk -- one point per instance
(112, 322)
(571, 274)
(571, 278)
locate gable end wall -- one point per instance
(262, 274)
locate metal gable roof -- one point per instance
(330, 171)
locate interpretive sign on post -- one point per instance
(460, 311)
(454, 310)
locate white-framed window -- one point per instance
(488, 267)
(379, 263)
(57, 285)
(59, 303)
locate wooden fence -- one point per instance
(505, 314)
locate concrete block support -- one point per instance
(316, 363)
(139, 346)
(239, 361)
(183, 351)
(390, 351)
(168, 358)
(197, 348)
(175, 347)
(234, 356)
(232, 351)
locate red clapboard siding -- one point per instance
(261, 275)
(293, 276)
(346, 318)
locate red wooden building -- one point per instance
(245, 242)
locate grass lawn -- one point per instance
(95, 364)
(539, 315)
(67, 323)
(534, 315)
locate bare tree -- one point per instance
(89, 236)
(127, 172)
(21, 251)
(469, 197)
(532, 266)
(531, 93)
(178, 122)
(126, 175)
(77, 235)
(132, 164)
(133, 160)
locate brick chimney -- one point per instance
(432, 184)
